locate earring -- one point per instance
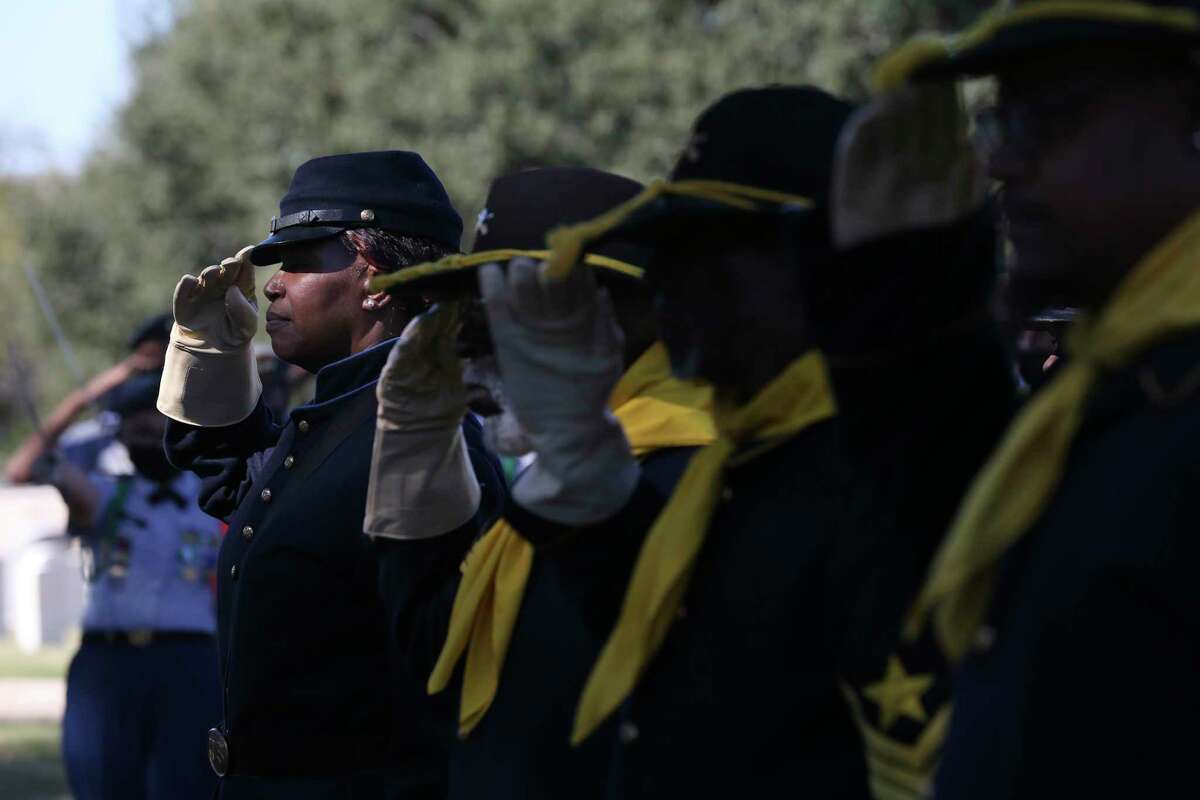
(369, 304)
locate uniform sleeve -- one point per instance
(225, 458)
(418, 578)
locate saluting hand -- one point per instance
(557, 343)
(421, 386)
(217, 308)
(560, 353)
(210, 377)
(422, 483)
(904, 162)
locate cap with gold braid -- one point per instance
(1013, 31)
(521, 207)
(743, 158)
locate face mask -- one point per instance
(151, 462)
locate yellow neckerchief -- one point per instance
(797, 398)
(656, 411)
(927, 49)
(456, 263)
(568, 242)
(1159, 298)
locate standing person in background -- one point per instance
(312, 707)
(147, 346)
(1065, 590)
(144, 687)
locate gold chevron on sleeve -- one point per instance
(897, 769)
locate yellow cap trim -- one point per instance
(456, 263)
(898, 67)
(567, 243)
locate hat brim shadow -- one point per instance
(269, 250)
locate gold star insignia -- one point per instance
(899, 694)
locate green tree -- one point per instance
(235, 94)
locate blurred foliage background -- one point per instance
(232, 95)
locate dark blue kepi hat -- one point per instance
(394, 190)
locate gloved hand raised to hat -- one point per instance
(422, 483)
(210, 377)
(560, 354)
(903, 162)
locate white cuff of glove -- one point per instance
(422, 483)
(208, 387)
(580, 482)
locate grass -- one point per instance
(49, 662)
(30, 765)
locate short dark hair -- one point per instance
(391, 251)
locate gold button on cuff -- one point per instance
(303, 426)
(287, 462)
(266, 495)
(247, 533)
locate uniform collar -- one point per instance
(343, 378)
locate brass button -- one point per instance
(303, 426)
(218, 752)
(233, 572)
(247, 533)
(266, 495)
(367, 215)
(287, 462)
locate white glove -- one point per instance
(210, 377)
(560, 355)
(422, 483)
(903, 162)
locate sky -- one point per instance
(66, 64)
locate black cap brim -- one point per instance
(268, 251)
